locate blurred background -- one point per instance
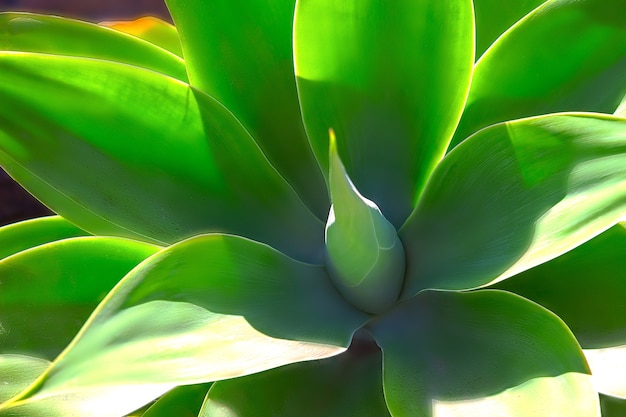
(15, 203)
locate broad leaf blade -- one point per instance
(494, 17)
(481, 354)
(236, 307)
(17, 237)
(48, 292)
(176, 162)
(151, 29)
(514, 196)
(17, 372)
(30, 32)
(242, 56)
(565, 56)
(349, 384)
(390, 78)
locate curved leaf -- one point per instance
(565, 56)
(494, 17)
(514, 196)
(176, 162)
(17, 372)
(349, 384)
(27, 234)
(184, 401)
(151, 29)
(242, 56)
(30, 32)
(234, 307)
(486, 353)
(612, 407)
(390, 77)
(48, 292)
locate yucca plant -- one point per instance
(317, 208)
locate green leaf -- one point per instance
(176, 162)
(184, 401)
(612, 407)
(565, 56)
(30, 32)
(364, 256)
(494, 17)
(486, 353)
(17, 372)
(349, 384)
(514, 196)
(151, 29)
(243, 57)
(391, 78)
(48, 292)
(209, 308)
(621, 109)
(27, 234)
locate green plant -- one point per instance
(206, 184)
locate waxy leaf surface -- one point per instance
(391, 78)
(151, 29)
(243, 57)
(184, 401)
(30, 32)
(565, 56)
(128, 152)
(481, 354)
(209, 308)
(17, 372)
(514, 196)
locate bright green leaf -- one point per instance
(349, 384)
(514, 196)
(242, 56)
(151, 29)
(494, 17)
(48, 292)
(209, 308)
(176, 162)
(29, 32)
(184, 401)
(565, 56)
(17, 372)
(481, 354)
(364, 255)
(17, 237)
(391, 78)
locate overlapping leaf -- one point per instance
(514, 196)
(132, 153)
(243, 57)
(390, 78)
(209, 308)
(17, 372)
(481, 354)
(151, 29)
(565, 56)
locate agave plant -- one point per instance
(324, 208)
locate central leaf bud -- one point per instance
(364, 255)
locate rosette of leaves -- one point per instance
(331, 207)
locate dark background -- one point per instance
(15, 203)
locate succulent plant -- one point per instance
(332, 207)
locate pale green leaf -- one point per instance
(128, 152)
(17, 372)
(391, 78)
(486, 353)
(243, 57)
(514, 196)
(564, 56)
(30, 32)
(209, 308)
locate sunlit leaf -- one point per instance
(30, 32)
(515, 196)
(17, 237)
(481, 354)
(48, 292)
(209, 308)
(17, 372)
(391, 78)
(565, 56)
(151, 29)
(242, 56)
(128, 152)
